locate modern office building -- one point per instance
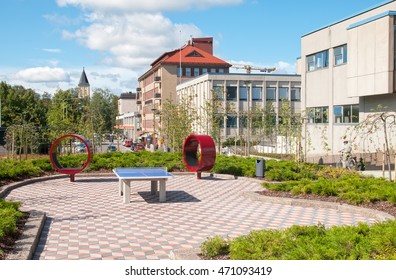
(348, 69)
(159, 82)
(238, 95)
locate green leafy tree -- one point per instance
(176, 122)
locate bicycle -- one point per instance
(351, 163)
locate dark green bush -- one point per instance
(361, 242)
(9, 216)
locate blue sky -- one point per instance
(46, 43)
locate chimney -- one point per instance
(205, 44)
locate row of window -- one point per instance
(257, 93)
(321, 59)
(197, 71)
(342, 114)
(232, 121)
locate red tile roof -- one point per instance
(190, 55)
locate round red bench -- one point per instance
(66, 170)
(199, 153)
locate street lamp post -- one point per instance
(248, 95)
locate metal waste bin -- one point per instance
(260, 167)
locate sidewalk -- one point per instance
(87, 219)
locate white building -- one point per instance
(348, 69)
(128, 118)
(238, 94)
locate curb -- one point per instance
(27, 243)
(185, 254)
(374, 214)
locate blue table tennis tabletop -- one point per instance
(154, 174)
(142, 172)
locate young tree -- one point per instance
(382, 122)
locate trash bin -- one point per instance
(260, 167)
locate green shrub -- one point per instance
(9, 216)
(214, 246)
(359, 242)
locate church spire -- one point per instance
(83, 85)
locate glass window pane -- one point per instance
(271, 94)
(231, 93)
(242, 93)
(257, 93)
(196, 72)
(283, 93)
(355, 113)
(295, 94)
(338, 114)
(347, 114)
(188, 72)
(218, 92)
(204, 70)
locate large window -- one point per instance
(242, 93)
(295, 94)
(340, 55)
(283, 93)
(318, 61)
(218, 92)
(188, 72)
(346, 114)
(318, 115)
(257, 93)
(231, 121)
(271, 94)
(231, 93)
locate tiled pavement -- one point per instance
(87, 219)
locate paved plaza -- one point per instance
(87, 219)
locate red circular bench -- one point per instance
(195, 162)
(66, 170)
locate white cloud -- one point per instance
(42, 74)
(52, 50)
(133, 40)
(147, 5)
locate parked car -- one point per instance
(128, 143)
(139, 147)
(80, 148)
(111, 148)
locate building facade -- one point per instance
(238, 95)
(348, 70)
(128, 118)
(159, 83)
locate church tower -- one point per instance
(83, 86)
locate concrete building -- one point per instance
(239, 95)
(348, 69)
(128, 118)
(84, 88)
(158, 84)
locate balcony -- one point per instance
(157, 95)
(157, 79)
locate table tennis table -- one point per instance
(154, 174)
